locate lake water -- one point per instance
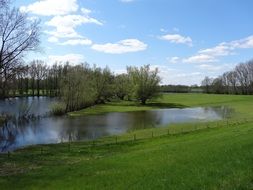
(46, 130)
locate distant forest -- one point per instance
(237, 81)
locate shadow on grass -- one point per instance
(148, 104)
(165, 105)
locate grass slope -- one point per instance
(213, 158)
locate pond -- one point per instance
(19, 133)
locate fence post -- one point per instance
(9, 154)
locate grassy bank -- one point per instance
(215, 155)
(239, 102)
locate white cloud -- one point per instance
(174, 76)
(51, 7)
(244, 43)
(178, 39)
(220, 50)
(33, 18)
(223, 49)
(74, 42)
(123, 46)
(71, 58)
(173, 60)
(200, 58)
(208, 67)
(53, 39)
(65, 25)
(85, 11)
(215, 68)
(185, 78)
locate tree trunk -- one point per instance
(38, 88)
(143, 101)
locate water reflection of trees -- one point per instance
(224, 112)
(22, 131)
(13, 127)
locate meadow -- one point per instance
(209, 155)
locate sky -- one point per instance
(186, 39)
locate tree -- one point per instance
(32, 75)
(40, 72)
(102, 80)
(122, 86)
(18, 35)
(77, 91)
(206, 83)
(217, 86)
(145, 82)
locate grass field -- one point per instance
(215, 155)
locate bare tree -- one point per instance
(18, 35)
(39, 70)
(206, 83)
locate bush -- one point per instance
(58, 109)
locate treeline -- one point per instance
(34, 79)
(80, 86)
(180, 89)
(237, 81)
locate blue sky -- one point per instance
(185, 39)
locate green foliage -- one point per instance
(123, 86)
(58, 109)
(145, 82)
(102, 84)
(77, 91)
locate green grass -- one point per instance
(125, 106)
(193, 156)
(173, 101)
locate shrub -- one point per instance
(58, 109)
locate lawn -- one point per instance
(239, 102)
(215, 155)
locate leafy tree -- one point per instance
(77, 92)
(122, 86)
(145, 82)
(102, 84)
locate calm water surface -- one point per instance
(20, 133)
